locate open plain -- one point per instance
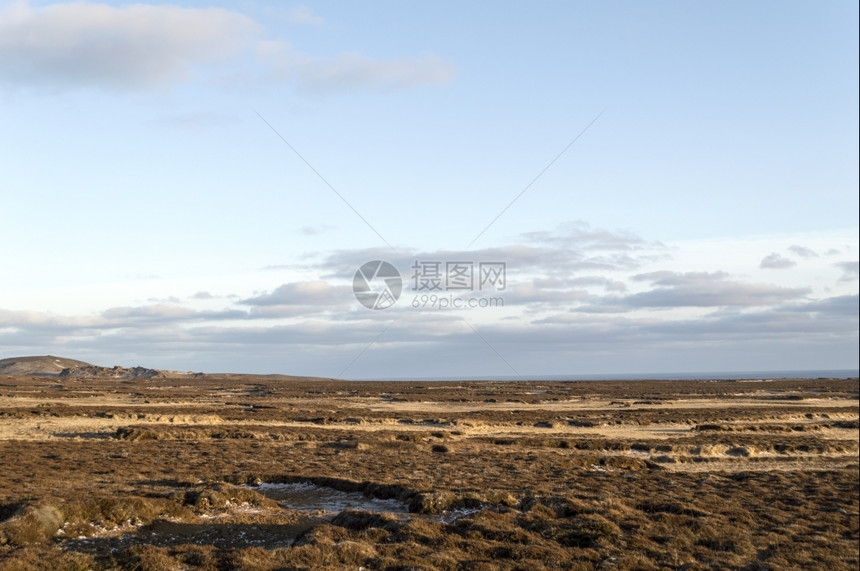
(246, 472)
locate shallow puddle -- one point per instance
(321, 500)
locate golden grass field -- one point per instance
(234, 472)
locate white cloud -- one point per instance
(350, 71)
(142, 46)
(131, 47)
(303, 15)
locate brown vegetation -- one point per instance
(167, 473)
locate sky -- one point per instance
(563, 188)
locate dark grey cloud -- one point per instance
(566, 303)
(580, 281)
(776, 261)
(574, 251)
(430, 343)
(704, 289)
(843, 305)
(802, 252)
(530, 294)
(850, 270)
(670, 278)
(601, 306)
(164, 313)
(315, 230)
(310, 293)
(581, 236)
(829, 316)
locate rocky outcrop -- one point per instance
(94, 371)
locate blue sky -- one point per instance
(706, 220)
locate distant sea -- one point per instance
(707, 376)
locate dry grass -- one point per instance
(160, 474)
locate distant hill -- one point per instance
(44, 366)
(50, 366)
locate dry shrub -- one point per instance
(588, 530)
(200, 557)
(637, 561)
(359, 520)
(432, 502)
(493, 526)
(9, 510)
(45, 558)
(561, 506)
(420, 531)
(669, 507)
(150, 558)
(343, 554)
(494, 497)
(254, 558)
(323, 534)
(119, 510)
(347, 445)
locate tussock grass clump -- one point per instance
(358, 520)
(117, 511)
(588, 530)
(32, 524)
(223, 496)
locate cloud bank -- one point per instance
(141, 46)
(580, 298)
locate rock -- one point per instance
(94, 371)
(33, 524)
